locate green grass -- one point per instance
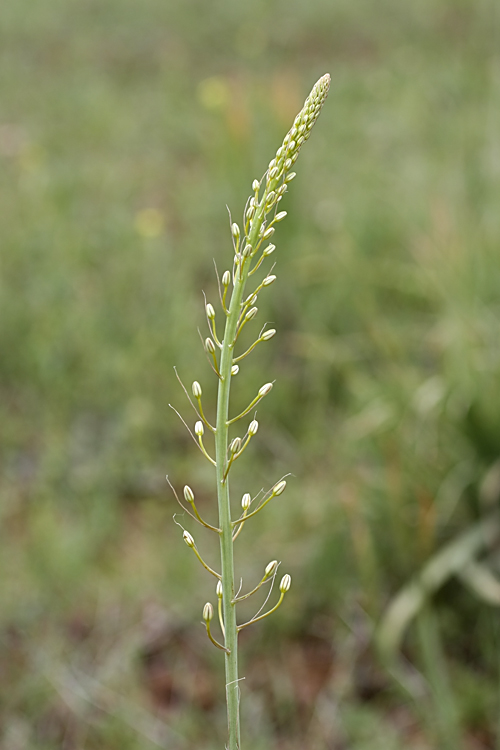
(386, 400)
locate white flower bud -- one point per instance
(247, 251)
(253, 427)
(291, 145)
(209, 309)
(209, 345)
(251, 313)
(255, 185)
(279, 488)
(250, 212)
(288, 164)
(282, 190)
(271, 197)
(226, 278)
(272, 164)
(269, 249)
(269, 280)
(285, 584)
(300, 140)
(270, 568)
(265, 389)
(235, 369)
(290, 176)
(279, 151)
(208, 612)
(235, 230)
(251, 299)
(280, 216)
(218, 589)
(188, 494)
(268, 334)
(273, 173)
(196, 388)
(268, 233)
(235, 445)
(199, 429)
(246, 501)
(188, 539)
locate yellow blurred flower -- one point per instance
(149, 222)
(213, 92)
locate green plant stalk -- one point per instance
(226, 535)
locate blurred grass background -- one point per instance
(125, 129)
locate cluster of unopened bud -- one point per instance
(288, 152)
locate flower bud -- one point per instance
(274, 172)
(290, 176)
(255, 185)
(235, 445)
(269, 280)
(268, 334)
(218, 589)
(291, 145)
(188, 539)
(246, 501)
(188, 494)
(265, 389)
(208, 612)
(196, 388)
(269, 249)
(251, 313)
(235, 230)
(251, 299)
(199, 429)
(268, 233)
(235, 369)
(288, 163)
(247, 251)
(271, 197)
(209, 345)
(270, 568)
(280, 216)
(253, 427)
(250, 212)
(226, 278)
(209, 309)
(282, 190)
(279, 488)
(285, 584)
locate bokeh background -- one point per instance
(125, 129)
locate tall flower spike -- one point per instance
(260, 219)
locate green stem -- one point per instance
(226, 536)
